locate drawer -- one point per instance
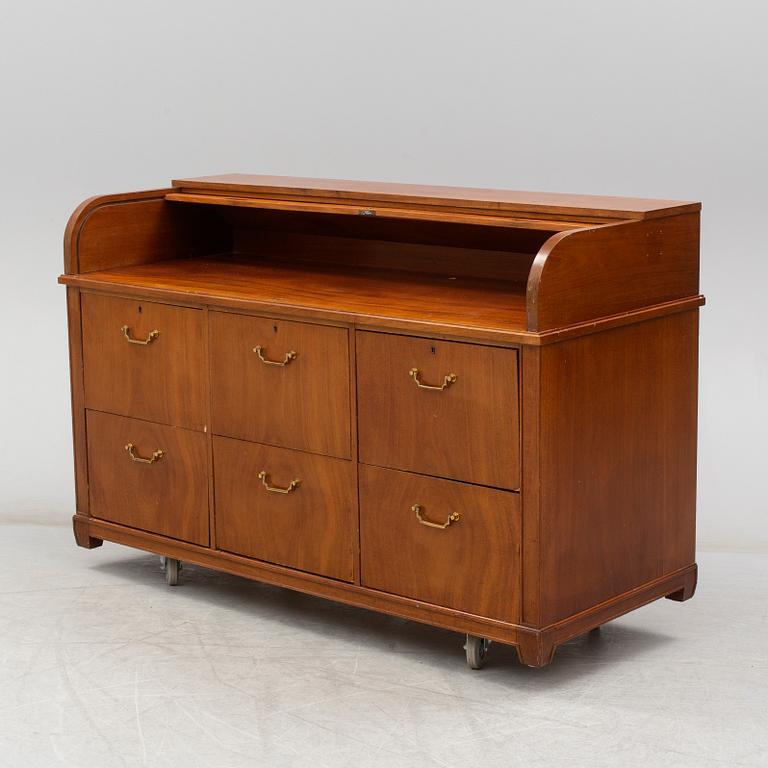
(148, 476)
(286, 507)
(439, 407)
(280, 383)
(144, 359)
(441, 542)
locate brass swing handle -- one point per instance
(292, 486)
(452, 518)
(156, 456)
(447, 380)
(287, 359)
(127, 333)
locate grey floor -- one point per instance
(102, 664)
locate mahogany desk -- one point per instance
(470, 408)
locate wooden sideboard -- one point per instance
(470, 408)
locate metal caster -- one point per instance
(172, 568)
(476, 648)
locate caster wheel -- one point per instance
(476, 648)
(172, 568)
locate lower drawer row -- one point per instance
(421, 537)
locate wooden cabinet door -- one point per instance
(471, 564)
(281, 383)
(439, 407)
(286, 507)
(144, 360)
(148, 476)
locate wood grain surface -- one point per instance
(311, 528)
(580, 276)
(569, 322)
(617, 461)
(472, 565)
(326, 291)
(169, 496)
(469, 431)
(139, 228)
(79, 442)
(338, 190)
(162, 381)
(508, 266)
(303, 404)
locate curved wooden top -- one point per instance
(612, 269)
(451, 197)
(590, 272)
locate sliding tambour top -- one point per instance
(489, 202)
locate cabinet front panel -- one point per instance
(144, 359)
(286, 507)
(280, 383)
(439, 407)
(440, 541)
(148, 476)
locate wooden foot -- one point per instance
(686, 592)
(535, 651)
(80, 527)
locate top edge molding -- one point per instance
(493, 200)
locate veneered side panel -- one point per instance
(124, 230)
(618, 461)
(591, 273)
(74, 324)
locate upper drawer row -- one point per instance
(441, 408)
(275, 382)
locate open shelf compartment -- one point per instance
(355, 269)
(503, 265)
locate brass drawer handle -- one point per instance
(447, 381)
(156, 456)
(292, 486)
(452, 518)
(144, 342)
(288, 357)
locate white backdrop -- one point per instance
(657, 99)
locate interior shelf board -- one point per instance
(364, 294)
